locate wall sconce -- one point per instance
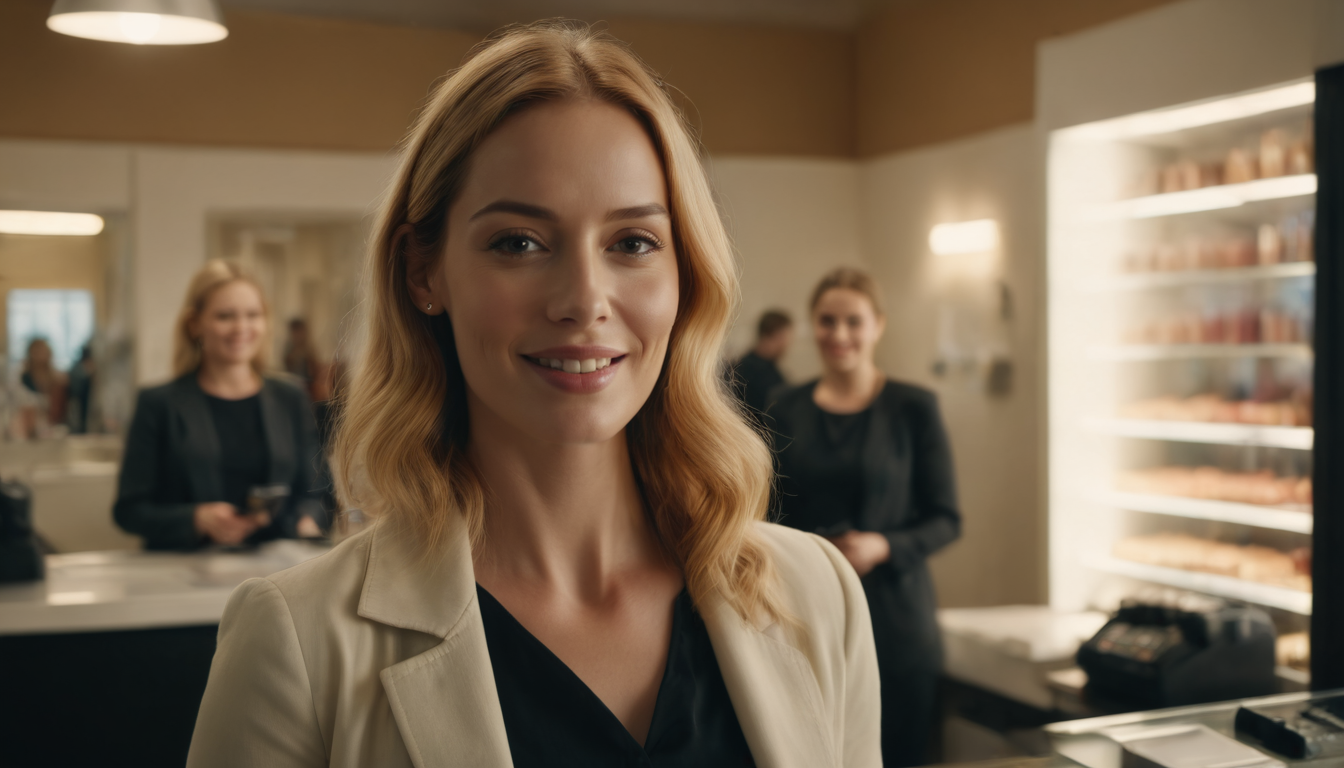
(49, 223)
(964, 237)
(965, 334)
(140, 22)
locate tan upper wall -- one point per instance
(292, 81)
(937, 70)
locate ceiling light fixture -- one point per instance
(49, 223)
(140, 22)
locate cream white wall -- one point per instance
(791, 221)
(1000, 558)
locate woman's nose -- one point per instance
(579, 293)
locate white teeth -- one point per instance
(575, 366)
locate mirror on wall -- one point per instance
(68, 373)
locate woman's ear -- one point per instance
(419, 272)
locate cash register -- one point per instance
(1151, 655)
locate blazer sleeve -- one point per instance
(137, 511)
(258, 707)
(933, 493)
(861, 740)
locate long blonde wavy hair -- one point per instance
(401, 450)
(216, 274)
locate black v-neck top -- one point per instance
(553, 719)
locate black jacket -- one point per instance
(909, 496)
(172, 462)
(752, 378)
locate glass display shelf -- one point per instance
(1211, 198)
(1277, 518)
(1146, 281)
(1143, 352)
(1300, 438)
(1291, 600)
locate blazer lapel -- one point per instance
(444, 700)
(200, 440)
(279, 438)
(773, 691)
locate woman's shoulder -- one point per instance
(284, 385)
(321, 592)
(817, 584)
(786, 396)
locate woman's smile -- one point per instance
(576, 369)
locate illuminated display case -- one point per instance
(1182, 282)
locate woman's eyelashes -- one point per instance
(641, 243)
(515, 243)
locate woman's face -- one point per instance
(846, 328)
(231, 325)
(559, 272)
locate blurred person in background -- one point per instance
(757, 372)
(81, 391)
(40, 378)
(300, 361)
(865, 462)
(203, 448)
(569, 563)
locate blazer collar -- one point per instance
(444, 700)
(447, 707)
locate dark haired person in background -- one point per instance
(865, 462)
(757, 372)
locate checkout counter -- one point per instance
(105, 660)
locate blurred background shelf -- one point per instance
(1143, 352)
(1282, 598)
(1150, 280)
(1300, 438)
(1277, 518)
(1210, 198)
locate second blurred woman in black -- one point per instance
(205, 446)
(865, 462)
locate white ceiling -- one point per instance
(484, 15)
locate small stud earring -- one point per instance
(428, 307)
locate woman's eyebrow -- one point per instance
(637, 212)
(513, 206)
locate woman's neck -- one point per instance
(849, 391)
(567, 519)
(228, 381)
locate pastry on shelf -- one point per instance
(1262, 488)
(1251, 562)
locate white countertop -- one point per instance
(1010, 649)
(100, 591)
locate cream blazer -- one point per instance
(373, 656)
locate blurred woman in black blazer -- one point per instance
(865, 462)
(221, 434)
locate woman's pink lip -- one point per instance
(574, 383)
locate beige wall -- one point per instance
(995, 439)
(291, 81)
(935, 70)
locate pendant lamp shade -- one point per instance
(140, 22)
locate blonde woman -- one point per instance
(568, 564)
(221, 433)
